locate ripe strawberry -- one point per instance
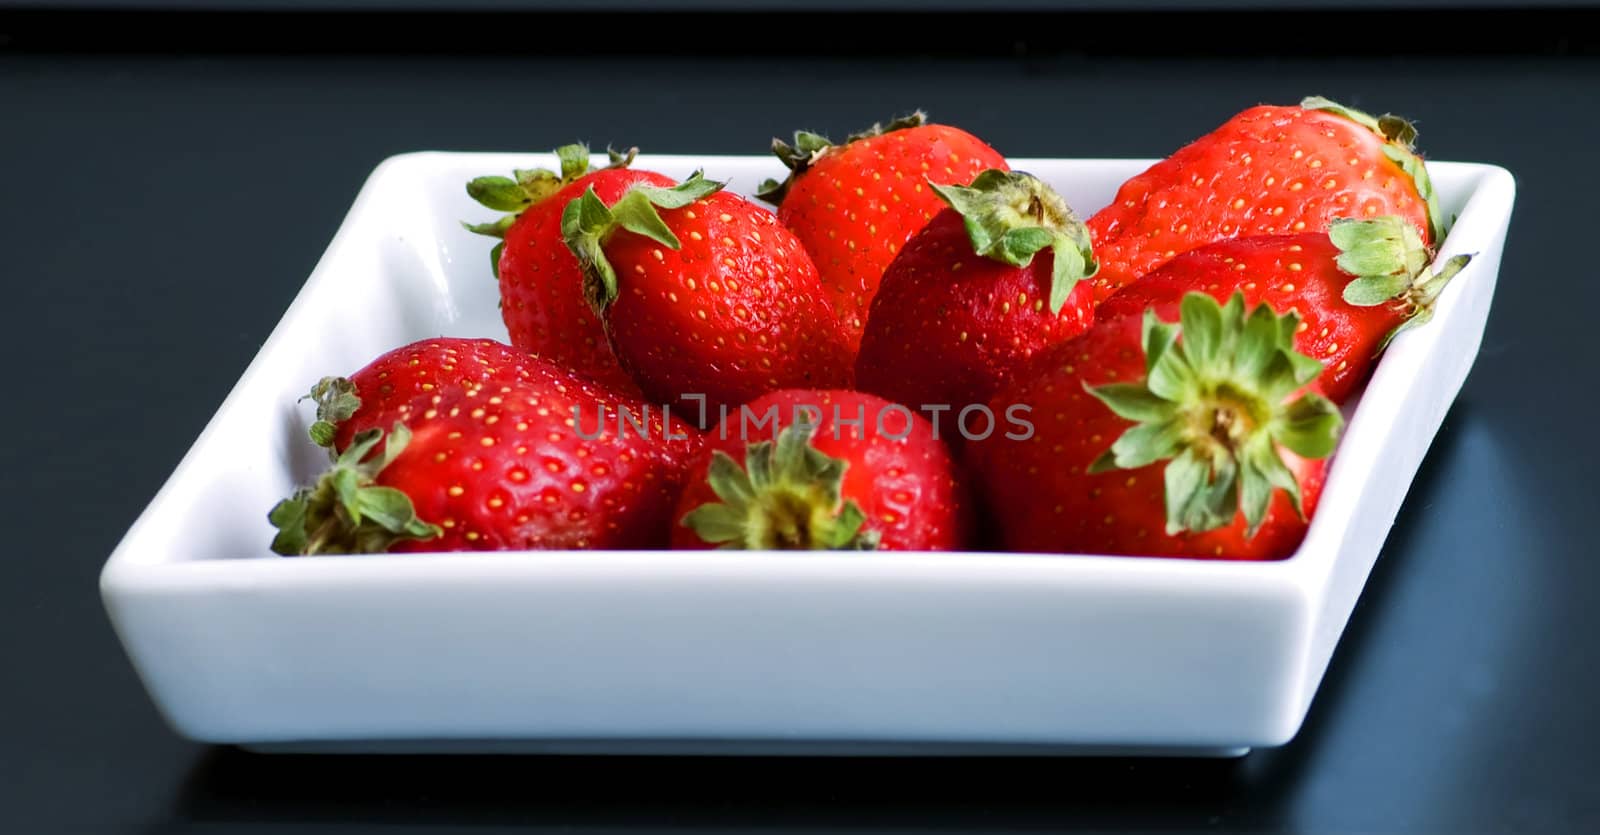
(853, 206)
(546, 460)
(709, 297)
(383, 391)
(1268, 170)
(1354, 287)
(967, 301)
(541, 286)
(1205, 447)
(837, 470)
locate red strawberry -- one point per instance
(383, 391)
(855, 205)
(1145, 445)
(1354, 287)
(548, 460)
(846, 471)
(541, 286)
(967, 301)
(1268, 170)
(709, 297)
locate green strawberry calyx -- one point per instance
(786, 497)
(1216, 407)
(809, 147)
(587, 223)
(1400, 137)
(346, 511)
(336, 401)
(529, 186)
(1011, 216)
(1391, 266)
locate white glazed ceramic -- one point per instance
(720, 652)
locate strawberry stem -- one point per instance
(1215, 407)
(1391, 265)
(1010, 216)
(529, 186)
(786, 497)
(346, 511)
(336, 401)
(809, 147)
(587, 223)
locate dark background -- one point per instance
(168, 180)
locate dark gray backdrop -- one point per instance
(159, 210)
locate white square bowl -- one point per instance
(719, 652)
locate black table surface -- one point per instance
(159, 211)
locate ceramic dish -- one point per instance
(719, 652)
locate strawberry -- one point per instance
(383, 391)
(543, 458)
(967, 301)
(541, 286)
(854, 205)
(1147, 445)
(1268, 170)
(838, 470)
(709, 297)
(1354, 287)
